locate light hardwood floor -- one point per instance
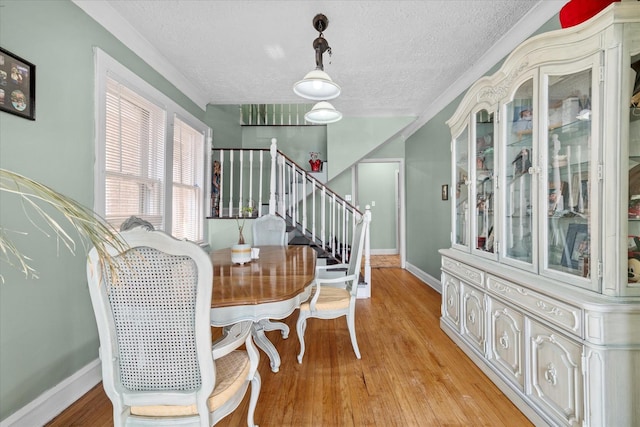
(384, 261)
(410, 374)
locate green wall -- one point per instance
(295, 141)
(383, 235)
(47, 327)
(376, 183)
(225, 122)
(427, 168)
(393, 149)
(352, 139)
(223, 233)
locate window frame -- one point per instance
(108, 67)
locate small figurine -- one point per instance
(524, 125)
(215, 188)
(522, 162)
(315, 162)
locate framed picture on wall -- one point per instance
(17, 85)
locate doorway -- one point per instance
(379, 183)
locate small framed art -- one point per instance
(445, 192)
(17, 85)
(577, 245)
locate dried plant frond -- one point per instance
(93, 230)
(10, 251)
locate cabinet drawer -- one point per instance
(464, 272)
(473, 317)
(451, 300)
(506, 341)
(563, 315)
(555, 374)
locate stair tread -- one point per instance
(299, 240)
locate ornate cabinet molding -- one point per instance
(538, 286)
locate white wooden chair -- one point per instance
(269, 230)
(336, 296)
(159, 366)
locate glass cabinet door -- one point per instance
(567, 185)
(483, 191)
(460, 220)
(518, 221)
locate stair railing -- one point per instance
(275, 114)
(310, 208)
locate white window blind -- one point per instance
(188, 181)
(151, 155)
(134, 157)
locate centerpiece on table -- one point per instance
(241, 252)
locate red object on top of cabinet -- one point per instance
(578, 11)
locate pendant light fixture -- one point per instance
(317, 85)
(323, 113)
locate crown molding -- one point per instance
(112, 21)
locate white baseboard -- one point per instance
(364, 291)
(55, 400)
(384, 252)
(425, 277)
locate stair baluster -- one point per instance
(290, 197)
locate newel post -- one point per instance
(272, 183)
(367, 253)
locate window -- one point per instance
(142, 169)
(188, 180)
(134, 157)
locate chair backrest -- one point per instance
(269, 230)
(153, 321)
(357, 246)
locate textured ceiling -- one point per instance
(391, 58)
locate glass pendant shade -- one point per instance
(317, 86)
(323, 113)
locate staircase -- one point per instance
(267, 181)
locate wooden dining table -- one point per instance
(270, 287)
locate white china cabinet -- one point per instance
(541, 287)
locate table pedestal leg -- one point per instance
(265, 345)
(269, 325)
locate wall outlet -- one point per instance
(347, 197)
